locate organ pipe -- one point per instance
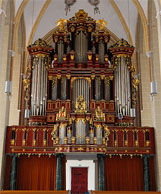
(80, 88)
(60, 51)
(101, 50)
(39, 86)
(40, 52)
(81, 47)
(122, 87)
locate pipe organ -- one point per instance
(80, 99)
(83, 90)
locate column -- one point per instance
(58, 185)
(146, 172)
(13, 172)
(101, 181)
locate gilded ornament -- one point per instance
(59, 76)
(106, 134)
(102, 23)
(147, 143)
(111, 77)
(54, 81)
(68, 76)
(54, 134)
(72, 57)
(39, 43)
(95, 140)
(102, 77)
(99, 115)
(107, 81)
(121, 43)
(73, 140)
(62, 114)
(80, 106)
(87, 140)
(135, 83)
(61, 23)
(89, 57)
(81, 15)
(93, 76)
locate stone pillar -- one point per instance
(13, 172)
(101, 179)
(146, 172)
(58, 185)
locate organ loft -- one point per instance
(81, 100)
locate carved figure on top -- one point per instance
(102, 23)
(80, 106)
(61, 115)
(61, 23)
(100, 116)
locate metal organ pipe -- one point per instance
(39, 87)
(80, 88)
(122, 87)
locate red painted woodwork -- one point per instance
(39, 147)
(79, 180)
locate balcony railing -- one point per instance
(42, 140)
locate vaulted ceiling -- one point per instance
(40, 16)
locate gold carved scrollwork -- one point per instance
(106, 133)
(107, 81)
(27, 83)
(121, 43)
(80, 105)
(54, 80)
(40, 43)
(135, 83)
(54, 134)
(82, 119)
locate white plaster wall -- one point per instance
(81, 163)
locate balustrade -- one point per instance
(46, 139)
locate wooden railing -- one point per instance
(34, 192)
(124, 192)
(121, 140)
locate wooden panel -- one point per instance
(79, 180)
